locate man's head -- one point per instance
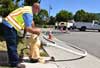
(36, 8)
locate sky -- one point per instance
(91, 6)
(20, 3)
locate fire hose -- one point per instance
(52, 43)
(82, 55)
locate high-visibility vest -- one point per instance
(15, 18)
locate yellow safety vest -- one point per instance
(15, 18)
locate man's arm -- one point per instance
(33, 24)
(33, 30)
(29, 24)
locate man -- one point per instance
(19, 19)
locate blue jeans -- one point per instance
(10, 35)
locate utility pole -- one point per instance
(50, 8)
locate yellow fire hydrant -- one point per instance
(35, 44)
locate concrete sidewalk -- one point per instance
(89, 61)
(70, 60)
(39, 65)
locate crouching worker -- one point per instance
(34, 52)
(19, 19)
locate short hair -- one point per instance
(36, 4)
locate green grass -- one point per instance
(21, 45)
(3, 45)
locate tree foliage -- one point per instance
(80, 15)
(37, 19)
(43, 13)
(98, 16)
(42, 17)
(90, 17)
(52, 20)
(64, 15)
(84, 16)
(7, 7)
(30, 2)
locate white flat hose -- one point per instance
(69, 50)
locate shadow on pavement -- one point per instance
(3, 58)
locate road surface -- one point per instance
(89, 41)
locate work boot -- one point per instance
(34, 60)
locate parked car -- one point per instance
(63, 25)
(82, 26)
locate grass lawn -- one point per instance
(21, 45)
(4, 48)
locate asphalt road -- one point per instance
(89, 40)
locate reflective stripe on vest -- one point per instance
(15, 18)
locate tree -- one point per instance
(42, 17)
(26, 2)
(63, 15)
(30, 2)
(37, 19)
(90, 17)
(52, 20)
(43, 13)
(98, 16)
(80, 15)
(7, 7)
(84, 16)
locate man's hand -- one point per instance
(33, 30)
